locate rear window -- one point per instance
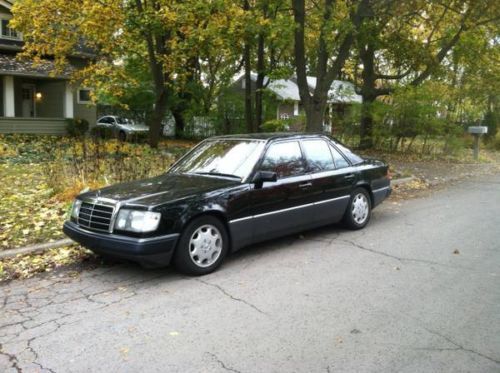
(318, 155)
(354, 158)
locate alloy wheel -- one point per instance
(360, 208)
(205, 245)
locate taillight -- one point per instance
(388, 174)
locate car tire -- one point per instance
(359, 209)
(122, 136)
(202, 246)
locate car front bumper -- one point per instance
(149, 252)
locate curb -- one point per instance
(404, 180)
(66, 241)
(35, 248)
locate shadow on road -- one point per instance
(112, 270)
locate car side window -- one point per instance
(318, 155)
(340, 161)
(284, 158)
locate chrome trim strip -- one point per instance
(109, 202)
(380, 189)
(287, 209)
(112, 221)
(158, 238)
(283, 210)
(332, 199)
(241, 219)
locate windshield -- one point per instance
(221, 157)
(121, 120)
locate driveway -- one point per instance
(417, 290)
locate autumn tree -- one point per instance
(324, 36)
(406, 43)
(165, 34)
(274, 48)
(266, 51)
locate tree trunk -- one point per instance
(157, 116)
(259, 84)
(248, 79)
(368, 92)
(315, 113)
(366, 128)
(180, 123)
(326, 72)
(227, 126)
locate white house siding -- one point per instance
(84, 111)
(42, 126)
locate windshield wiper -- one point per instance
(217, 174)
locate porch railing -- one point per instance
(46, 126)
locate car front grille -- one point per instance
(95, 216)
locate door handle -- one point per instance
(349, 177)
(305, 185)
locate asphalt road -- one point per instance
(418, 290)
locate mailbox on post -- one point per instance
(477, 131)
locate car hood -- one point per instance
(135, 127)
(161, 189)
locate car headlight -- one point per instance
(75, 209)
(137, 221)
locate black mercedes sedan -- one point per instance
(226, 193)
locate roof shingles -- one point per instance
(10, 65)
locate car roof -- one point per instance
(270, 136)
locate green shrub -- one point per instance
(76, 127)
(454, 145)
(102, 132)
(276, 125)
(491, 121)
(495, 143)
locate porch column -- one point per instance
(68, 101)
(8, 96)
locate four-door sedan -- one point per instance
(226, 193)
(122, 128)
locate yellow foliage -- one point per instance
(42, 174)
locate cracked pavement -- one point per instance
(418, 290)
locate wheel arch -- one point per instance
(365, 185)
(219, 215)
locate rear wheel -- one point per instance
(358, 211)
(202, 246)
(122, 136)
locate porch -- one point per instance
(35, 104)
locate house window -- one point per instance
(6, 32)
(84, 96)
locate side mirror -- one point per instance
(263, 176)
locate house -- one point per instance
(32, 99)
(342, 94)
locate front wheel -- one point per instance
(202, 246)
(358, 211)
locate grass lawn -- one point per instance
(28, 212)
(40, 176)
